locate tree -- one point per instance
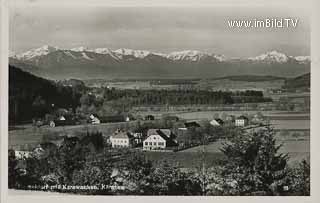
(39, 105)
(254, 162)
(135, 171)
(300, 179)
(170, 180)
(13, 173)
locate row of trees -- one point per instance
(183, 97)
(253, 166)
(113, 101)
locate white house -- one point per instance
(121, 139)
(158, 139)
(241, 121)
(62, 118)
(22, 154)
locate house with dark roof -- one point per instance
(241, 121)
(94, 119)
(192, 124)
(230, 119)
(122, 139)
(216, 122)
(149, 118)
(158, 139)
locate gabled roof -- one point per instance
(163, 133)
(121, 135)
(220, 121)
(242, 117)
(149, 116)
(217, 120)
(192, 124)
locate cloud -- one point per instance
(154, 28)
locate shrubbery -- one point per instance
(253, 167)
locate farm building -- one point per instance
(192, 124)
(158, 139)
(230, 119)
(121, 139)
(22, 154)
(217, 122)
(258, 119)
(149, 118)
(129, 118)
(171, 118)
(62, 121)
(94, 119)
(137, 137)
(241, 121)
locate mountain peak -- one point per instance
(80, 49)
(135, 53)
(193, 55)
(44, 50)
(271, 56)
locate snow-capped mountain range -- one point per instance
(56, 62)
(185, 55)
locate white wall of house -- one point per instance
(154, 142)
(120, 142)
(240, 122)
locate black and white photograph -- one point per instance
(158, 100)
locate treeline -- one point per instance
(184, 97)
(31, 96)
(300, 82)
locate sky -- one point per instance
(157, 28)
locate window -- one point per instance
(150, 143)
(146, 143)
(154, 143)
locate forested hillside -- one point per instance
(31, 96)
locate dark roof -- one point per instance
(176, 118)
(192, 124)
(164, 133)
(220, 121)
(242, 117)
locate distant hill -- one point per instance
(31, 96)
(301, 82)
(251, 78)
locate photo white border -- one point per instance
(315, 100)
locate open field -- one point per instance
(211, 114)
(27, 134)
(204, 84)
(31, 135)
(233, 85)
(291, 124)
(296, 149)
